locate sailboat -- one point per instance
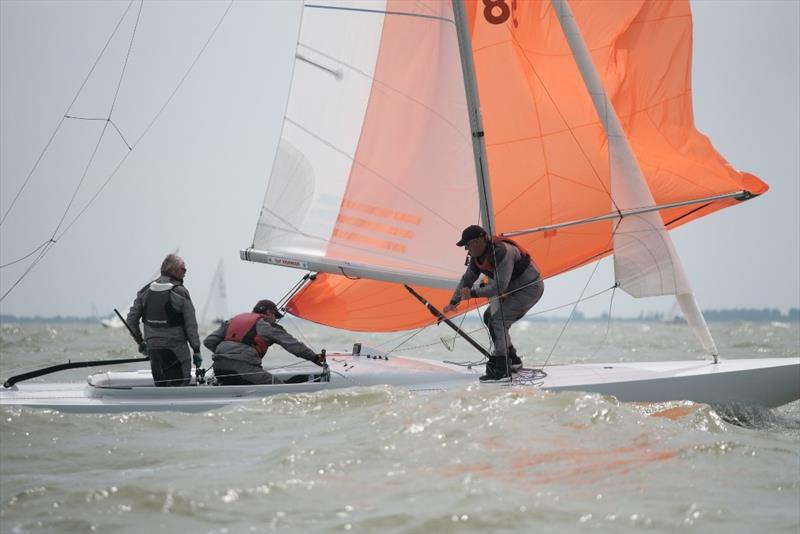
(215, 310)
(112, 321)
(566, 126)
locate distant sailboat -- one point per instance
(215, 310)
(112, 321)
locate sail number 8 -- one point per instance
(496, 11)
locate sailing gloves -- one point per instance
(319, 360)
(143, 348)
(197, 359)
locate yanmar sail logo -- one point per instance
(286, 262)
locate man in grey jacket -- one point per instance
(515, 286)
(168, 315)
(240, 344)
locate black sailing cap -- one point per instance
(470, 233)
(263, 306)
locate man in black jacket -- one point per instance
(515, 286)
(168, 315)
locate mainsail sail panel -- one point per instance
(331, 83)
(377, 138)
(413, 171)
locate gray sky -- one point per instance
(196, 180)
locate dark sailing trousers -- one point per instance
(168, 369)
(511, 309)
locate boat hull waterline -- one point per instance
(769, 382)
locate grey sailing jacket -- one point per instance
(230, 353)
(170, 336)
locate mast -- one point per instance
(475, 121)
(629, 189)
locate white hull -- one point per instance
(769, 382)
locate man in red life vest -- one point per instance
(239, 346)
(515, 285)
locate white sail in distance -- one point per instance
(215, 308)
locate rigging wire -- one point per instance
(485, 329)
(48, 245)
(80, 182)
(127, 58)
(608, 324)
(300, 331)
(571, 315)
(55, 237)
(28, 255)
(450, 345)
(563, 118)
(295, 288)
(408, 339)
(66, 113)
(52, 240)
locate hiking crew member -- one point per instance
(513, 274)
(240, 344)
(168, 315)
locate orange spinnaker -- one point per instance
(546, 148)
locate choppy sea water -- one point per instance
(476, 459)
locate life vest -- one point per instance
(158, 311)
(485, 263)
(242, 329)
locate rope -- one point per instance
(289, 294)
(484, 327)
(608, 323)
(299, 331)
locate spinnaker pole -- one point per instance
(440, 316)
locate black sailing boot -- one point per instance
(497, 370)
(514, 360)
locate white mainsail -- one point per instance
(374, 162)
